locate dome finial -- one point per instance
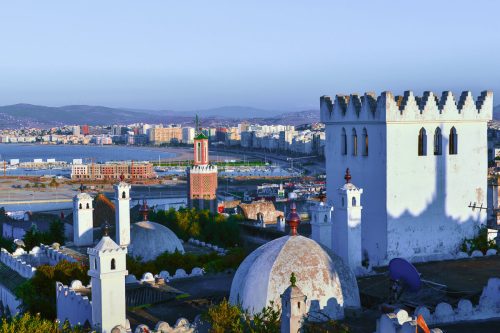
(347, 176)
(293, 279)
(293, 219)
(144, 210)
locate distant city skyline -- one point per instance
(283, 55)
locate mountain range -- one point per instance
(29, 115)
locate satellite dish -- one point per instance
(403, 271)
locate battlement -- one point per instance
(21, 267)
(408, 107)
(203, 168)
(72, 305)
(55, 255)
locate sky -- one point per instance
(276, 55)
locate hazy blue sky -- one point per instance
(270, 54)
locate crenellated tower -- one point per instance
(107, 272)
(122, 212)
(83, 219)
(420, 160)
(202, 176)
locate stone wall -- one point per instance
(179, 274)
(54, 256)
(9, 300)
(71, 305)
(21, 267)
(488, 308)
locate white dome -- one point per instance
(150, 239)
(263, 276)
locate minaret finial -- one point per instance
(144, 210)
(347, 176)
(293, 279)
(106, 229)
(293, 219)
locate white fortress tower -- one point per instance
(83, 220)
(321, 222)
(420, 160)
(122, 212)
(346, 231)
(107, 272)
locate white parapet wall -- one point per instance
(71, 305)
(488, 308)
(54, 255)
(21, 267)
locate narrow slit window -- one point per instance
(365, 142)
(343, 142)
(422, 142)
(453, 142)
(354, 143)
(438, 142)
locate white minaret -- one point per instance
(346, 230)
(107, 271)
(293, 308)
(122, 212)
(321, 222)
(83, 220)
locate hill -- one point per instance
(29, 115)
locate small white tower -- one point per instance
(122, 212)
(293, 308)
(321, 222)
(280, 221)
(107, 271)
(346, 231)
(83, 219)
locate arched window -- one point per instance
(124, 196)
(438, 141)
(365, 142)
(198, 152)
(422, 142)
(80, 206)
(354, 201)
(113, 264)
(88, 206)
(298, 305)
(453, 142)
(354, 143)
(343, 142)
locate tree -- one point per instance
(56, 232)
(38, 295)
(28, 323)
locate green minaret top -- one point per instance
(198, 134)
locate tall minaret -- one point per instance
(107, 272)
(202, 176)
(83, 219)
(294, 308)
(321, 221)
(122, 212)
(346, 231)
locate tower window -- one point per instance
(343, 142)
(80, 206)
(422, 142)
(113, 264)
(354, 143)
(453, 142)
(365, 142)
(88, 206)
(95, 263)
(438, 141)
(124, 196)
(298, 305)
(353, 201)
(198, 152)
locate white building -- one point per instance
(420, 161)
(83, 221)
(122, 213)
(187, 135)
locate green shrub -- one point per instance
(480, 242)
(28, 323)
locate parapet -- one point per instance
(18, 265)
(406, 108)
(72, 305)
